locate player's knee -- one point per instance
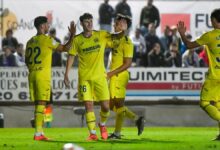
(121, 111)
(204, 104)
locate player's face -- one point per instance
(45, 27)
(118, 26)
(215, 23)
(87, 24)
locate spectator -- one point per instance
(53, 34)
(203, 58)
(151, 38)
(173, 57)
(106, 13)
(139, 47)
(156, 57)
(123, 8)
(149, 14)
(20, 55)
(183, 47)
(10, 41)
(56, 56)
(190, 58)
(175, 38)
(166, 39)
(7, 59)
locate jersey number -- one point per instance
(82, 88)
(36, 52)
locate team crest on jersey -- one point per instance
(96, 40)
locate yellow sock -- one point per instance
(39, 118)
(130, 114)
(212, 111)
(120, 114)
(103, 117)
(90, 119)
(217, 105)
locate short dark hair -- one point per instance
(39, 21)
(9, 31)
(127, 18)
(85, 16)
(216, 14)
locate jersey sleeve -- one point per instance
(203, 39)
(53, 44)
(74, 48)
(107, 36)
(128, 48)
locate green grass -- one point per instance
(156, 138)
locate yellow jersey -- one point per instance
(212, 40)
(121, 48)
(38, 56)
(90, 52)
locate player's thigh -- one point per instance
(210, 90)
(101, 90)
(85, 91)
(43, 90)
(118, 84)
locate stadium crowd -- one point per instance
(150, 50)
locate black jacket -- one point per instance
(106, 13)
(150, 15)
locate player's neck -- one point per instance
(39, 32)
(87, 34)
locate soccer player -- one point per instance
(38, 57)
(210, 93)
(122, 54)
(93, 86)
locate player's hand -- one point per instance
(109, 75)
(67, 81)
(181, 27)
(72, 28)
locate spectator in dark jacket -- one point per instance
(123, 8)
(56, 56)
(7, 59)
(149, 14)
(173, 57)
(156, 57)
(106, 14)
(10, 41)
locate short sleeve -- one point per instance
(203, 39)
(53, 44)
(74, 48)
(128, 48)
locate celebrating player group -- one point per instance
(95, 83)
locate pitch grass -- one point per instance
(156, 138)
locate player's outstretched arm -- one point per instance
(69, 64)
(72, 30)
(182, 30)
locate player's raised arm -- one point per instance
(182, 30)
(72, 30)
(69, 64)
